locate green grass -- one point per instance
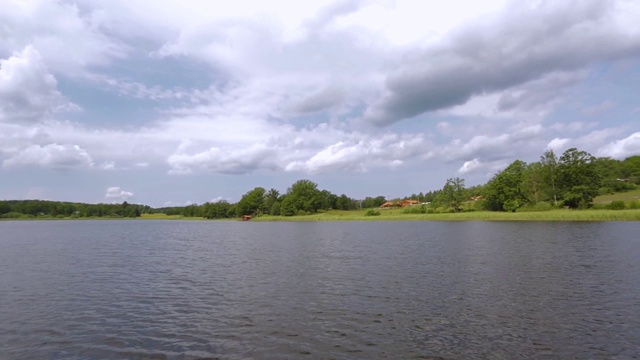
(628, 196)
(167, 217)
(397, 215)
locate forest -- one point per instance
(571, 180)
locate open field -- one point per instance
(397, 215)
(167, 217)
(627, 196)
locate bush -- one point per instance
(415, 210)
(634, 205)
(372, 212)
(617, 205)
(13, 215)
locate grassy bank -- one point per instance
(397, 215)
(627, 196)
(167, 217)
(142, 217)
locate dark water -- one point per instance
(241, 290)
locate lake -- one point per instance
(137, 289)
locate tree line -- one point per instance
(34, 208)
(570, 180)
(301, 198)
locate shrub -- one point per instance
(415, 210)
(617, 205)
(634, 205)
(13, 215)
(372, 212)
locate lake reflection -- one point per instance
(397, 290)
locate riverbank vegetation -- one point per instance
(553, 188)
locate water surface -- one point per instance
(352, 290)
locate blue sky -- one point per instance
(178, 102)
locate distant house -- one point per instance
(405, 203)
(388, 204)
(401, 203)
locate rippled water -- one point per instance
(238, 290)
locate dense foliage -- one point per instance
(34, 208)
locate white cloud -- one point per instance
(52, 156)
(362, 153)
(28, 92)
(470, 166)
(507, 50)
(558, 144)
(116, 193)
(488, 148)
(68, 40)
(620, 149)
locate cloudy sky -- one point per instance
(187, 101)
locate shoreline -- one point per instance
(395, 215)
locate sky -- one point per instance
(178, 102)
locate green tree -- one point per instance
(251, 203)
(271, 197)
(288, 207)
(549, 175)
(505, 191)
(579, 178)
(4, 207)
(631, 169)
(304, 195)
(453, 193)
(533, 182)
(275, 209)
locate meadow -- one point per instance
(398, 215)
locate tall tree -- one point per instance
(304, 195)
(533, 182)
(251, 203)
(454, 193)
(505, 191)
(579, 178)
(549, 172)
(270, 198)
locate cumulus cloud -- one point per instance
(52, 156)
(363, 154)
(68, 40)
(558, 144)
(28, 92)
(522, 44)
(116, 193)
(482, 148)
(470, 166)
(285, 148)
(224, 160)
(620, 149)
